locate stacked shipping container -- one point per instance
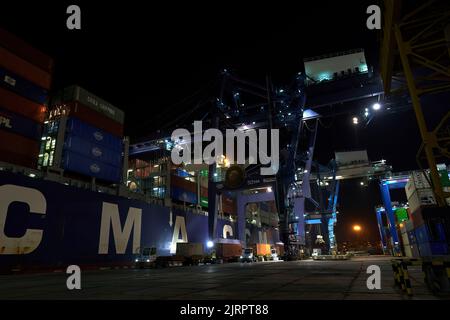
(183, 190)
(418, 191)
(149, 177)
(427, 229)
(188, 191)
(93, 139)
(25, 78)
(92, 152)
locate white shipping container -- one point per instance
(406, 245)
(421, 197)
(403, 227)
(409, 226)
(408, 251)
(405, 239)
(416, 181)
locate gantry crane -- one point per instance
(415, 56)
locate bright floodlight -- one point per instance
(357, 228)
(210, 244)
(376, 106)
(355, 120)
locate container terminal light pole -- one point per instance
(357, 229)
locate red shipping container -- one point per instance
(25, 51)
(183, 184)
(17, 104)
(229, 205)
(25, 69)
(280, 249)
(18, 150)
(417, 218)
(228, 250)
(94, 118)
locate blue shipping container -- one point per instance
(421, 234)
(92, 168)
(424, 249)
(93, 151)
(182, 173)
(23, 87)
(412, 237)
(439, 248)
(94, 135)
(183, 195)
(20, 125)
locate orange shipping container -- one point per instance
(24, 69)
(262, 249)
(17, 104)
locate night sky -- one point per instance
(146, 59)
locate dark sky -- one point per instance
(146, 58)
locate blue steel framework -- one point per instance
(395, 182)
(278, 108)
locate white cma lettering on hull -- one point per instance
(180, 225)
(227, 231)
(111, 217)
(37, 204)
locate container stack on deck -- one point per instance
(25, 78)
(93, 137)
(427, 229)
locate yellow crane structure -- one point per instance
(415, 50)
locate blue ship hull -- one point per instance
(45, 224)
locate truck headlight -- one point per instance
(241, 257)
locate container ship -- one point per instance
(72, 191)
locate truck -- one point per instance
(193, 253)
(248, 256)
(146, 258)
(274, 254)
(228, 252)
(262, 251)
